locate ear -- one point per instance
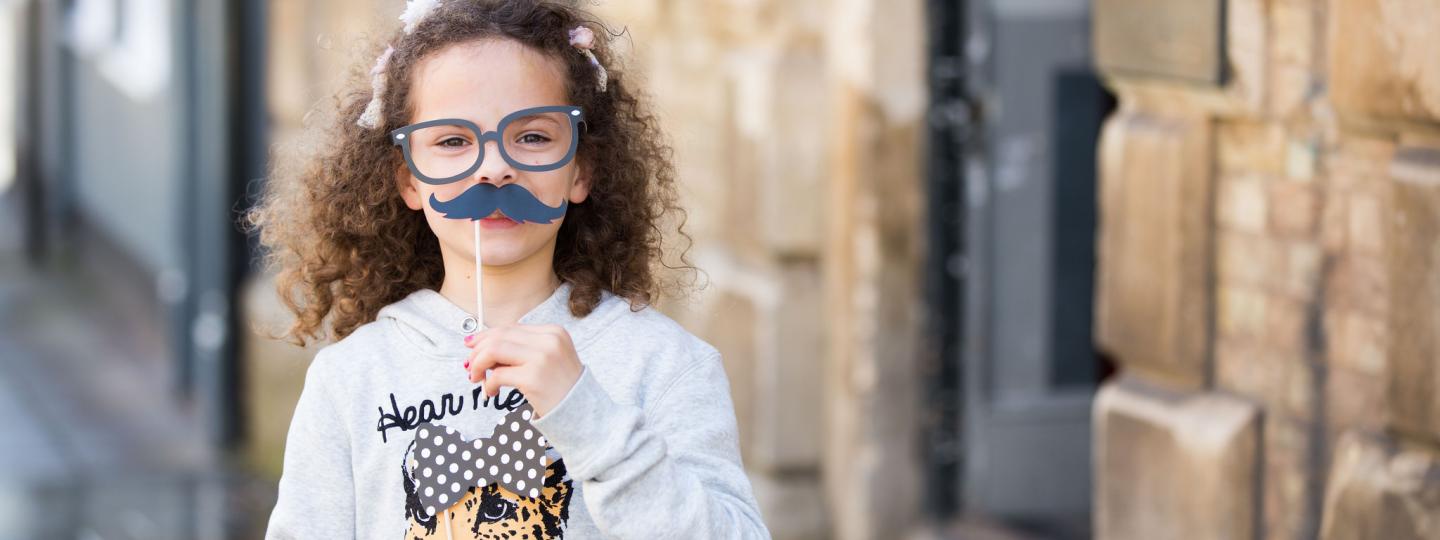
(580, 190)
(408, 191)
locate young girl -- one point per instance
(572, 409)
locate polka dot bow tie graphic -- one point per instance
(448, 465)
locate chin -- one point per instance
(499, 260)
(502, 255)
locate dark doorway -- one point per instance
(1014, 126)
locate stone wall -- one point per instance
(797, 127)
(1269, 276)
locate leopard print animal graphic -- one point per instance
(491, 511)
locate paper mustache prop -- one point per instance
(513, 200)
(448, 465)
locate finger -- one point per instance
(512, 376)
(499, 353)
(482, 340)
(481, 336)
(550, 336)
(480, 360)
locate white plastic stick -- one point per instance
(479, 283)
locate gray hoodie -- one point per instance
(390, 441)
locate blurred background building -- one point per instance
(1004, 269)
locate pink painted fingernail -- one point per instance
(469, 338)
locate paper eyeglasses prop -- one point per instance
(448, 150)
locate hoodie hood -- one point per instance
(435, 328)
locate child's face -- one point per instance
(482, 82)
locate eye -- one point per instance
(496, 510)
(533, 138)
(453, 142)
(494, 507)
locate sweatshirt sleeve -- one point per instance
(673, 467)
(316, 495)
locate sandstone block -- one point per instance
(1281, 381)
(1293, 208)
(1175, 465)
(788, 435)
(1383, 65)
(1243, 204)
(1255, 147)
(1154, 247)
(1379, 490)
(1414, 266)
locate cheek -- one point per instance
(443, 192)
(446, 229)
(554, 186)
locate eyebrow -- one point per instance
(484, 128)
(537, 118)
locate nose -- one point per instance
(493, 167)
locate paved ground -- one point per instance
(94, 443)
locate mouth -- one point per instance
(497, 221)
(497, 216)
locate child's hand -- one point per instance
(539, 360)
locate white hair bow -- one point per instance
(582, 38)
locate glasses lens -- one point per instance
(539, 139)
(443, 151)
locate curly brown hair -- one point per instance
(344, 243)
